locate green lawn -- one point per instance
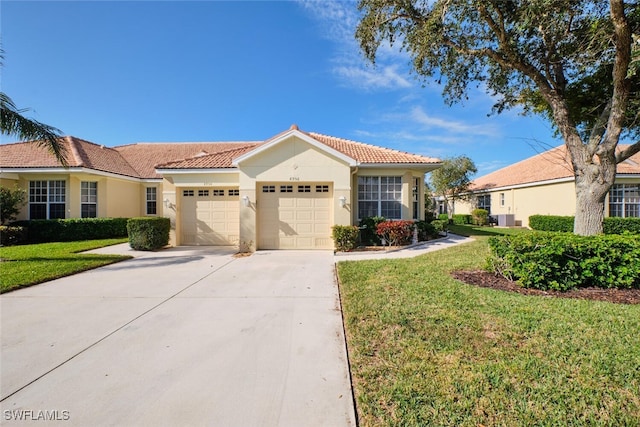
(426, 349)
(27, 265)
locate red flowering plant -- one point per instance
(396, 232)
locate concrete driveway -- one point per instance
(182, 337)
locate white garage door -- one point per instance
(210, 216)
(295, 216)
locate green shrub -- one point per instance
(429, 216)
(440, 225)
(551, 223)
(611, 225)
(345, 237)
(615, 225)
(11, 201)
(562, 261)
(148, 233)
(425, 230)
(368, 227)
(12, 235)
(396, 233)
(443, 217)
(73, 229)
(480, 216)
(461, 219)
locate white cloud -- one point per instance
(338, 21)
(364, 78)
(421, 117)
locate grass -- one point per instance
(28, 265)
(426, 349)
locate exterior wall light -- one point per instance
(167, 203)
(246, 201)
(343, 201)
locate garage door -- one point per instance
(210, 216)
(295, 216)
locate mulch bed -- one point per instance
(489, 280)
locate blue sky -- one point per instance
(121, 72)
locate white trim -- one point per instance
(71, 170)
(428, 167)
(530, 184)
(189, 171)
(306, 138)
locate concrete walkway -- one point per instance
(180, 337)
(408, 252)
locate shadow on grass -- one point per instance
(473, 230)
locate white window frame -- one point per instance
(48, 193)
(89, 198)
(622, 202)
(373, 191)
(151, 199)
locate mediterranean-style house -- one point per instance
(544, 185)
(283, 193)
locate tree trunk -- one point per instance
(591, 191)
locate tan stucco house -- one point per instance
(544, 185)
(283, 193)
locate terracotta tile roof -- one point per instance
(146, 156)
(140, 160)
(204, 160)
(79, 153)
(549, 165)
(366, 153)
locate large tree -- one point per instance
(574, 61)
(14, 123)
(451, 181)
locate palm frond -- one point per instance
(12, 122)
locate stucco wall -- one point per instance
(551, 199)
(296, 161)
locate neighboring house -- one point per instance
(544, 185)
(283, 193)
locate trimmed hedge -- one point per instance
(148, 233)
(345, 237)
(461, 219)
(611, 225)
(72, 229)
(12, 235)
(561, 261)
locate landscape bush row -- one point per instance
(63, 230)
(562, 261)
(378, 231)
(611, 225)
(145, 233)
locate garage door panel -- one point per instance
(209, 219)
(297, 220)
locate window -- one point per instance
(322, 188)
(416, 197)
(152, 194)
(624, 200)
(501, 199)
(268, 188)
(203, 193)
(286, 188)
(218, 193)
(187, 193)
(304, 189)
(380, 196)
(47, 199)
(235, 192)
(484, 202)
(88, 199)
